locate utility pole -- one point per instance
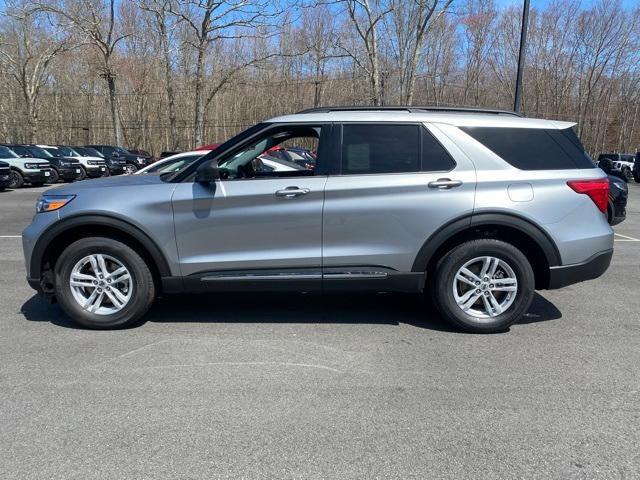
(523, 48)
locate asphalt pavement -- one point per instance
(292, 386)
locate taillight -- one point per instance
(598, 190)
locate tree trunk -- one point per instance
(113, 103)
(198, 113)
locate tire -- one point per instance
(610, 214)
(139, 288)
(515, 303)
(54, 176)
(83, 174)
(16, 179)
(636, 177)
(627, 174)
(130, 169)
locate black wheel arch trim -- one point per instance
(58, 228)
(438, 238)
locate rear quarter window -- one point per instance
(534, 148)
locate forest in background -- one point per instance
(174, 74)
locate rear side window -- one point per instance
(534, 148)
(392, 148)
(380, 149)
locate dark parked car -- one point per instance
(636, 168)
(617, 202)
(131, 163)
(65, 168)
(61, 168)
(5, 177)
(149, 159)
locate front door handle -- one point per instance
(292, 192)
(444, 184)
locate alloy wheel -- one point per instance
(485, 287)
(101, 284)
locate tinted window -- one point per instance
(434, 156)
(6, 153)
(534, 148)
(22, 151)
(380, 148)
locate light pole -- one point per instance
(523, 48)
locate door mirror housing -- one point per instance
(208, 172)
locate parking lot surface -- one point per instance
(277, 386)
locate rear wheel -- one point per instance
(102, 283)
(16, 180)
(483, 286)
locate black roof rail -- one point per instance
(411, 109)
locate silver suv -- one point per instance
(478, 208)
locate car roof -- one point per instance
(458, 118)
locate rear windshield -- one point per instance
(534, 148)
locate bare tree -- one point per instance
(95, 22)
(27, 48)
(161, 13)
(408, 28)
(209, 21)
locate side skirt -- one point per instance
(307, 280)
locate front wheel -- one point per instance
(130, 169)
(16, 180)
(483, 286)
(102, 283)
(53, 176)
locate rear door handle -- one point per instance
(444, 184)
(292, 192)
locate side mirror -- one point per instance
(208, 172)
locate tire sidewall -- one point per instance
(19, 179)
(142, 284)
(458, 257)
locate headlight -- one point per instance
(49, 203)
(140, 160)
(31, 166)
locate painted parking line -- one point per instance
(625, 238)
(10, 236)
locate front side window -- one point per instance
(268, 156)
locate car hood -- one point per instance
(106, 182)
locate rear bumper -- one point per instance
(564, 275)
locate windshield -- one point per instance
(39, 152)
(172, 165)
(67, 152)
(88, 152)
(6, 153)
(121, 150)
(54, 152)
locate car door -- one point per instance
(259, 228)
(397, 185)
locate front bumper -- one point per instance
(96, 171)
(564, 275)
(116, 169)
(70, 173)
(37, 176)
(5, 180)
